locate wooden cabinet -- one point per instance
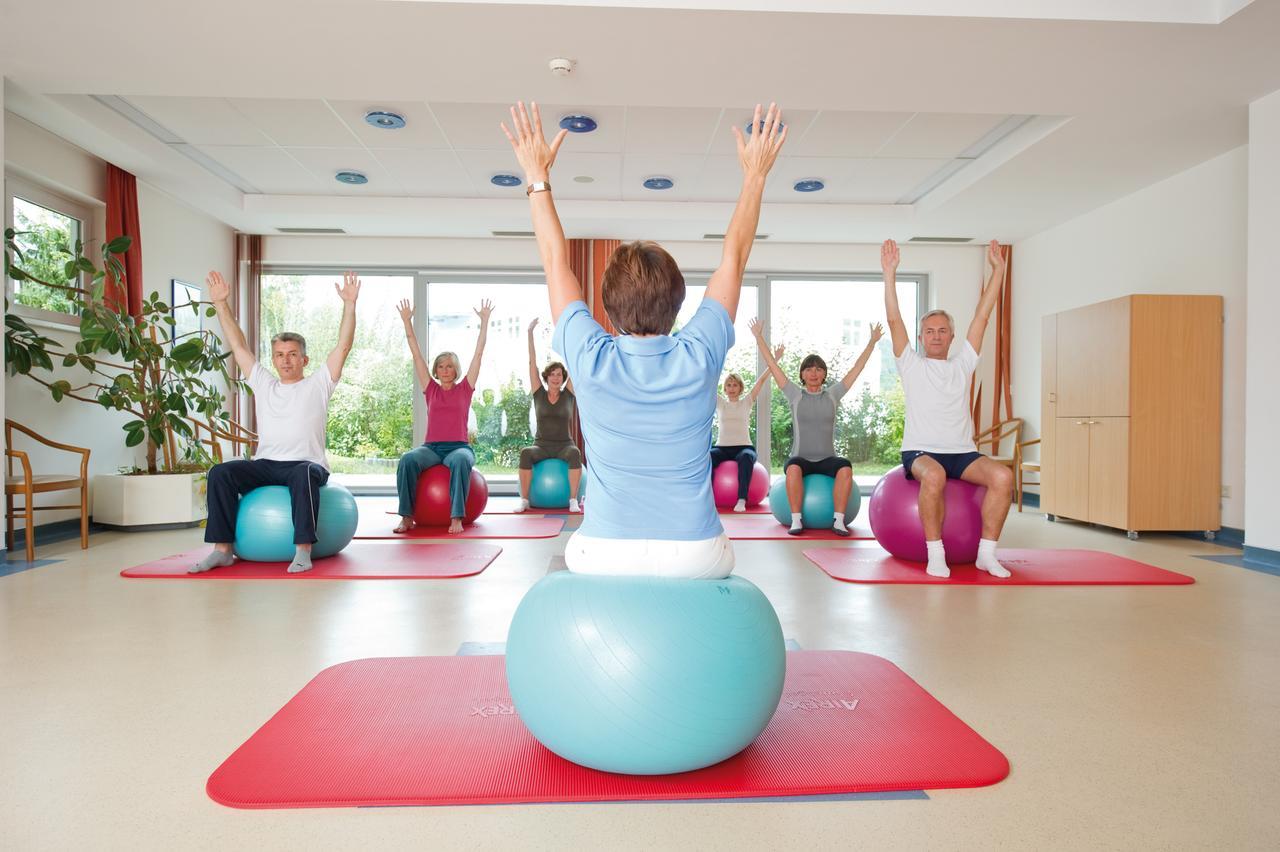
(1131, 413)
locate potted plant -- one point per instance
(137, 364)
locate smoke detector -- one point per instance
(561, 67)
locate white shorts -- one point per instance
(705, 559)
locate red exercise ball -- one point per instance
(896, 524)
(431, 505)
(724, 484)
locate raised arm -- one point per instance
(473, 372)
(764, 377)
(219, 294)
(348, 291)
(990, 294)
(897, 328)
(877, 332)
(757, 156)
(757, 331)
(405, 309)
(535, 376)
(536, 157)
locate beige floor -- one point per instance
(1133, 717)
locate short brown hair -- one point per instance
(813, 361)
(554, 365)
(642, 289)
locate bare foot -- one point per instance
(455, 526)
(404, 526)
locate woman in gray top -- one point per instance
(553, 405)
(813, 419)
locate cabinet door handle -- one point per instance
(1082, 422)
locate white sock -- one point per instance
(301, 560)
(839, 520)
(573, 505)
(214, 559)
(740, 506)
(987, 561)
(937, 566)
(796, 522)
(524, 505)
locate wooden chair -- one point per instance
(28, 485)
(1024, 467)
(994, 437)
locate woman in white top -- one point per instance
(734, 413)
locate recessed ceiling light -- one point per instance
(353, 178)
(809, 185)
(578, 123)
(584, 179)
(748, 126)
(659, 183)
(505, 180)
(384, 119)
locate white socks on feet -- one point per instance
(301, 561)
(838, 527)
(987, 561)
(524, 505)
(797, 526)
(740, 506)
(214, 559)
(937, 566)
(573, 505)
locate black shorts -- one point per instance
(953, 463)
(827, 467)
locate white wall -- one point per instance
(177, 242)
(1184, 235)
(1262, 515)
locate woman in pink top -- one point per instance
(448, 402)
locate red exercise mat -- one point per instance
(871, 564)
(381, 525)
(360, 560)
(442, 731)
(508, 506)
(766, 526)
(757, 509)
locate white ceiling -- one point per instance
(271, 94)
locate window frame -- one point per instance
(88, 215)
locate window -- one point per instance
(833, 318)
(48, 227)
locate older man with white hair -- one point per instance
(937, 441)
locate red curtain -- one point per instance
(587, 259)
(1002, 376)
(122, 221)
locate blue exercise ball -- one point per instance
(645, 675)
(817, 509)
(264, 523)
(549, 486)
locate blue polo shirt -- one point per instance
(646, 405)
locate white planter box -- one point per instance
(143, 501)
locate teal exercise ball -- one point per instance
(817, 509)
(549, 485)
(264, 523)
(645, 675)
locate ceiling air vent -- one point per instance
(311, 230)
(721, 236)
(512, 233)
(940, 240)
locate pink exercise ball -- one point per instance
(895, 518)
(431, 505)
(724, 484)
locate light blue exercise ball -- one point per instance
(817, 509)
(645, 675)
(264, 523)
(549, 486)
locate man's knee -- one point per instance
(932, 478)
(1001, 479)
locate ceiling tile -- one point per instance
(269, 169)
(426, 172)
(324, 163)
(724, 143)
(932, 134)
(605, 168)
(684, 169)
(292, 123)
(202, 121)
(420, 129)
(846, 134)
(670, 130)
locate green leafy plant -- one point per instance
(135, 363)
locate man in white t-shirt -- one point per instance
(292, 411)
(937, 441)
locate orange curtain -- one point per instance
(248, 277)
(1002, 376)
(122, 221)
(588, 259)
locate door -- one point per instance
(1109, 471)
(1071, 468)
(1093, 360)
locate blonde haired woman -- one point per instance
(448, 402)
(733, 410)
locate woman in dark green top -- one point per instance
(553, 406)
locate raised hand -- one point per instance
(405, 308)
(533, 323)
(485, 309)
(758, 154)
(777, 352)
(219, 290)
(877, 332)
(889, 257)
(535, 156)
(349, 290)
(995, 256)
(757, 327)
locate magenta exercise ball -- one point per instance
(895, 518)
(724, 484)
